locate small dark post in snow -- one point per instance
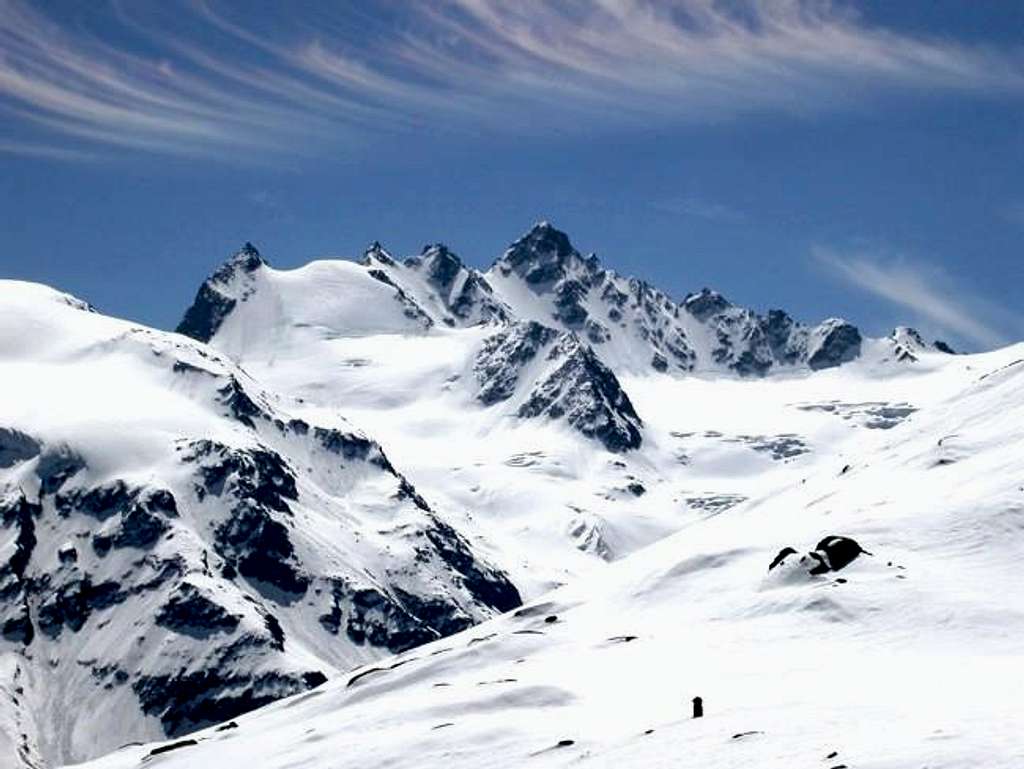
(698, 707)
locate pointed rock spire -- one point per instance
(220, 292)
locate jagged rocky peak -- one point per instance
(247, 258)
(705, 304)
(231, 283)
(438, 263)
(375, 253)
(465, 295)
(908, 344)
(566, 380)
(585, 393)
(543, 256)
(752, 345)
(832, 343)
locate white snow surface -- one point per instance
(908, 657)
(653, 562)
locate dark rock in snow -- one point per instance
(16, 447)
(380, 621)
(502, 357)
(840, 344)
(840, 551)
(540, 254)
(171, 746)
(831, 554)
(240, 404)
(586, 393)
(487, 585)
(220, 293)
(781, 557)
(71, 603)
(187, 701)
(190, 612)
(705, 303)
(55, 468)
(256, 474)
(257, 545)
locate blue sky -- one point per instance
(856, 159)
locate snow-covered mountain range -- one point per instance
(329, 465)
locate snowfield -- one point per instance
(909, 657)
(398, 452)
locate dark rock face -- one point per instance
(55, 468)
(258, 547)
(191, 612)
(705, 303)
(256, 474)
(442, 617)
(943, 347)
(487, 585)
(581, 390)
(840, 552)
(206, 314)
(503, 356)
(20, 513)
(778, 330)
(463, 291)
(586, 393)
(187, 701)
(352, 447)
(786, 551)
(142, 513)
(253, 540)
(540, 254)
(569, 297)
(214, 300)
(377, 253)
(240, 404)
(831, 554)
(379, 620)
(99, 502)
(841, 344)
(752, 345)
(602, 306)
(397, 620)
(16, 447)
(70, 604)
(410, 308)
(444, 265)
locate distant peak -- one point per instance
(544, 237)
(442, 264)
(705, 303)
(543, 256)
(434, 248)
(375, 252)
(218, 295)
(907, 334)
(247, 257)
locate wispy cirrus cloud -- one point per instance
(698, 208)
(222, 76)
(930, 295)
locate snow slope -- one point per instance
(908, 657)
(178, 544)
